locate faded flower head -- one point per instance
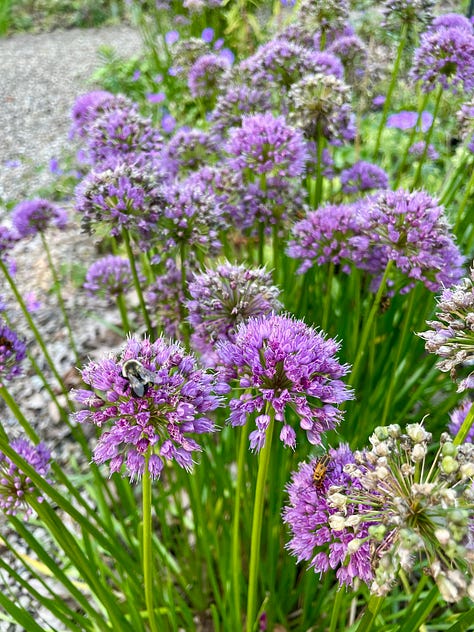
(235, 103)
(419, 149)
(363, 176)
(15, 486)
(110, 277)
(451, 337)
(279, 362)
(152, 409)
(36, 216)
(323, 15)
(188, 150)
(222, 298)
(409, 12)
(12, 353)
(457, 416)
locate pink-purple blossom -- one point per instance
(36, 216)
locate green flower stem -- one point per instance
(261, 243)
(391, 87)
(327, 298)
(276, 253)
(427, 139)
(123, 313)
(147, 547)
(184, 288)
(318, 190)
(465, 427)
(35, 330)
(336, 610)
(236, 559)
(263, 462)
(24, 423)
(373, 608)
(455, 176)
(136, 281)
(57, 289)
(368, 326)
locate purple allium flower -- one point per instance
(267, 145)
(109, 276)
(409, 12)
(12, 353)
(54, 167)
(187, 52)
(457, 416)
(419, 148)
(451, 20)
(235, 103)
(352, 52)
(224, 296)
(320, 104)
(278, 202)
(363, 176)
(207, 34)
(316, 15)
(165, 299)
(451, 337)
(8, 239)
(173, 402)
(379, 100)
(86, 108)
(205, 74)
(408, 119)
(309, 518)
(171, 37)
(445, 58)
(168, 123)
(36, 216)
(15, 486)
(278, 361)
(188, 150)
(125, 198)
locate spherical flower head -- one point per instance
(12, 353)
(153, 397)
(363, 176)
(314, 538)
(235, 103)
(452, 20)
(186, 52)
(223, 297)
(87, 107)
(15, 486)
(279, 202)
(445, 58)
(109, 277)
(419, 149)
(451, 336)
(323, 15)
(352, 52)
(188, 150)
(36, 216)
(280, 362)
(205, 74)
(410, 12)
(457, 416)
(267, 145)
(320, 104)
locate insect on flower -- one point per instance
(320, 469)
(5, 342)
(138, 376)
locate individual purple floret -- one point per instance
(90, 105)
(15, 486)
(445, 58)
(363, 176)
(457, 416)
(205, 74)
(154, 398)
(267, 145)
(110, 277)
(279, 362)
(313, 538)
(188, 150)
(224, 296)
(36, 216)
(12, 353)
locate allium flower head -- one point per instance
(323, 15)
(419, 148)
(409, 12)
(205, 74)
(109, 276)
(451, 337)
(282, 363)
(90, 105)
(320, 104)
(235, 103)
(224, 296)
(451, 20)
(187, 51)
(352, 52)
(36, 216)
(445, 58)
(12, 353)
(363, 176)
(188, 150)
(151, 408)
(309, 518)
(15, 486)
(267, 145)
(457, 416)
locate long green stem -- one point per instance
(136, 281)
(147, 546)
(123, 313)
(318, 191)
(263, 462)
(462, 206)
(427, 139)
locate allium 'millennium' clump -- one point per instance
(363, 176)
(451, 337)
(320, 105)
(12, 353)
(36, 216)
(109, 276)
(153, 411)
(186, 52)
(457, 416)
(445, 58)
(309, 518)
(15, 486)
(281, 363)
(222, 298)
(188, 150)
(205, 74)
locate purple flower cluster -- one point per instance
(408, 119)
(280, 362)
(205, 74)
(154, 396)
(89, 106)
(36, 216)
(12, 353)
(188, 150)
(109, 276)
(15, 486)
(235, 103)
(363, 176)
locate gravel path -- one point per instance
(41, 76)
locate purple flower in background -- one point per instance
(278, 361)
(465, 117)
(188, 150)
(234, 104)
(205, 73)
(171, 37)
(8, 239)
(451, 20)
(363, 176)
(379, 100)
(267, 145)
(168, 123)
(91, 105)
(36, 216)
(109, 276)
(207, 34)
(309, 516)
(324, 15)
(407, 120)
(12, 353)
(155, 397)
(15, 486)
(224, 296)
(352, 52)
(457, 416)
(54, 167)
(156, 97)
(419, 148)
(399, 12)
